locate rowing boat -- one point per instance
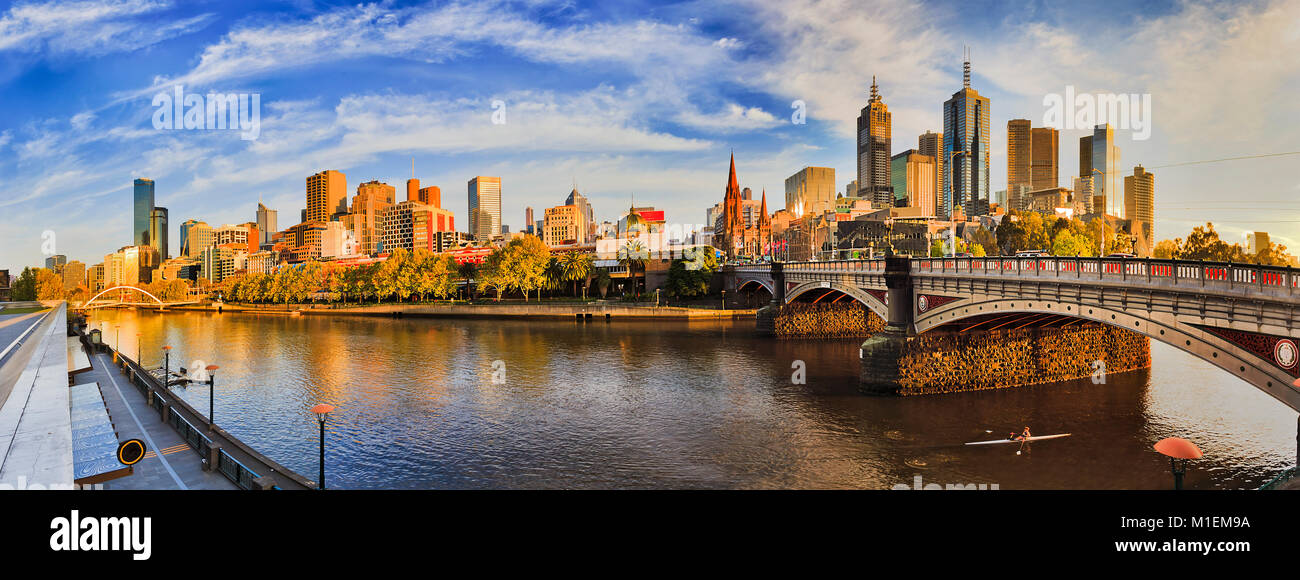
(1031, 439)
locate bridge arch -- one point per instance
(1200, 341)
(748, 284)
(119, 288)
(868, 300)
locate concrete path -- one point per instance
(169, 462)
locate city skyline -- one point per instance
(64, 152)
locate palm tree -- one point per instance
(553, 275)
(576, 266)
(633, 255)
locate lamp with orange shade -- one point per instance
(1179, 451)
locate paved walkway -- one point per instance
(169, 462)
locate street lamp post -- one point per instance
(322, 412)
(139, 343)
(167, 364)
(117, 341)
(1179, 452)
(212, 388)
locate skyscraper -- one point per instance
(143, 206)
(1105, 170)
(266, 223)
(874, 137)
(811, 191)
(195, 236)
(913, 175)
(431, 195)
(588, 216)
(966, 141)
(484, 207)
(931, 144)
(158, 233)
(1044, 158)
(56, 262)
(327, 194)
(366, 220)
(1031, 161)
(528, 220)
(1139, 200)
(1018, 158)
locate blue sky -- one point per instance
(641, 99)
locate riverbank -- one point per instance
(569, 310)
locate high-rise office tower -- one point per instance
(195, 236)
(528, 220)
(327, 194)
(142, 207)
(874, 138)
(588, 216)
(266, 223)
(1044, 158)
(1031, 161)
(811, 191)
(931, 144)
(431, 195)
(56, 262)
(158, 233)
(913, 175)
(1085, 157)
(366, 220)
(1139, 200)
(413, 190)
(966, 142)
(1018, 157)
(1105, 171)
(484, 207)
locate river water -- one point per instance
(457, 403)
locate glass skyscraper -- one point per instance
(142, 210)
(966, 141)
(158, 232)
(484, 207)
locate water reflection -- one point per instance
(651, 405)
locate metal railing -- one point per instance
(235, 471)
(1225, 276)
(170, 413)
(1281, 478)
(1209, 275)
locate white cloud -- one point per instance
(89, 27)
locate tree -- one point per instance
(936, 248)
(519, 265)
(49, 285)
(1067, 243)
(24, 288)
(689, 277)
(633, 255)
(577, 266)
(1166, 250)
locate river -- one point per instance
(461, 403)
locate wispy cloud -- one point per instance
(89, 27)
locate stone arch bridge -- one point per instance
(1242, 318)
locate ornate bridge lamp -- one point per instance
(322, 412)
(1179, 451)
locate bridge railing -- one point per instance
(836, 266)
(1218, 275)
